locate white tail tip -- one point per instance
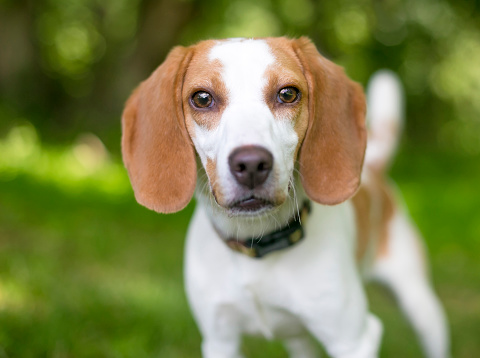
(385, 103)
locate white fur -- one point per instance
(311, 288)
(385, 118)
(404, 270)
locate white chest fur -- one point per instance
(276, 295)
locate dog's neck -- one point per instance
(246, 227)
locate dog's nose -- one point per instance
(250, 165)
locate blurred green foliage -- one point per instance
(69, 65)
(86, 272)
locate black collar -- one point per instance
(288, 236)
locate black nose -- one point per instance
(250, 165)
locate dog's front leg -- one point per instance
(221, 347)
(301, 347)
(346, 328)
(365, 345)
(211, 290)
(220, 326)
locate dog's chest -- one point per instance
(272, 295)
(266, 308)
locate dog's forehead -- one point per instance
(254, 63)
(242, 51)
(244, 62)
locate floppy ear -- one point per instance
(331, 156)
(156, 148)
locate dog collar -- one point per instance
(288, 236)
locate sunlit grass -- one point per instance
(84, 163)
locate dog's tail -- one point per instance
(385, 118)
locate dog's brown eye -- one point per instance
(202, 99)
(287, 95)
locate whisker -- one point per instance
(295, 206)
(263, 229)
(295, 170)
(277, 223)
(238, 228)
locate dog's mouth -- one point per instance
(251, 205)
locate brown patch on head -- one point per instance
(287, 71)
(204, 75)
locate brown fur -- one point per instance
(362, 204)
(156, 148)
(374, 207)
(387, 204)
(332, 153)
(211, 170)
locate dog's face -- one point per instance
(246, 109)
(252, 109)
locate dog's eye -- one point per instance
(287, 95)
(202, 99)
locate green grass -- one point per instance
(86, 272)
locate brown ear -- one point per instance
(156, 148)
(331, 156)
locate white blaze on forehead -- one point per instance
(244, 64)
(246, 120)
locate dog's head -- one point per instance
(251, 109)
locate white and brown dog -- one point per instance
(277, 133)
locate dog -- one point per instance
(291, 215)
